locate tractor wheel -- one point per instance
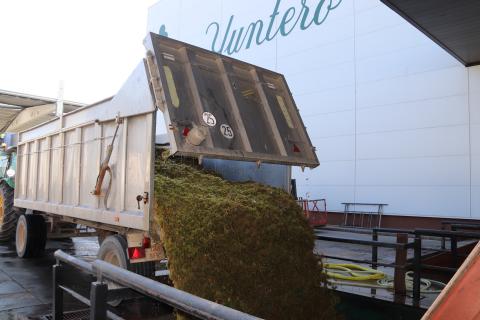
(8, 215)
(31, 235)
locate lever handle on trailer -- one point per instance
(139, 198)
(104, 166)
(143, 198)
(103, 170)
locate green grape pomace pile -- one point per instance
(244, 245)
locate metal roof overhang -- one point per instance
(12, 103)
(7, 115)
(453, 25)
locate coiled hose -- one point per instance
(353, 275)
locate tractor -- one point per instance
(8, 159)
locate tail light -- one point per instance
(146, 243)
(139, 252)
(136, 253)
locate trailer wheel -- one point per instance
(102, 235)
(31, 235)
(8, 215)
(114, 251)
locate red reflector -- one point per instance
(296, 148)
(136, 253)
(186, 131)
(146, 242)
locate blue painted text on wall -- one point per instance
(258, 32)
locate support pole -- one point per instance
(57, 304)
(443, 238)
(417, 261)
(374, 249)
(400, 261)
(454, 248)
(98, 301)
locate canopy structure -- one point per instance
(453, 25)
(19, 111)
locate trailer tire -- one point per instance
(30, 236)
(114, 251)
(8, 215)
(102, 235)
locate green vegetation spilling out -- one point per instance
(243, 245)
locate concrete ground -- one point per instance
(26, 284)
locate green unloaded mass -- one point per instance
(244, 245)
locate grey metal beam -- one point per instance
(184, 301)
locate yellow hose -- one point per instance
(351, 272)
(354, 272)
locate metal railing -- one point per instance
(401, 246)
(417, 260)
(458, 225)
(373, 218)
(100, 294)
(400, 265)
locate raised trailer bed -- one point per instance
(95, 165)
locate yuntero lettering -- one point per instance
(259, 32)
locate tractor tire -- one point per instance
(8, 215)
(31, 236)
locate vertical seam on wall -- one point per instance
(276, 54)
(180, 17)
(355, 109)
(276, 48)
(469, 141)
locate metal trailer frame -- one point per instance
(58, 162)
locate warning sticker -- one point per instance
(226, 131)
(209, 119)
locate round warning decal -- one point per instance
(209, 119)
(226, 131)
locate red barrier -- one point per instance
(315, 211)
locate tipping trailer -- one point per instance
(95, 166)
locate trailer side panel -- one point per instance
(59, 161)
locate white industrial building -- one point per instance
(395, 117)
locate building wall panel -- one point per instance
(393, 116)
